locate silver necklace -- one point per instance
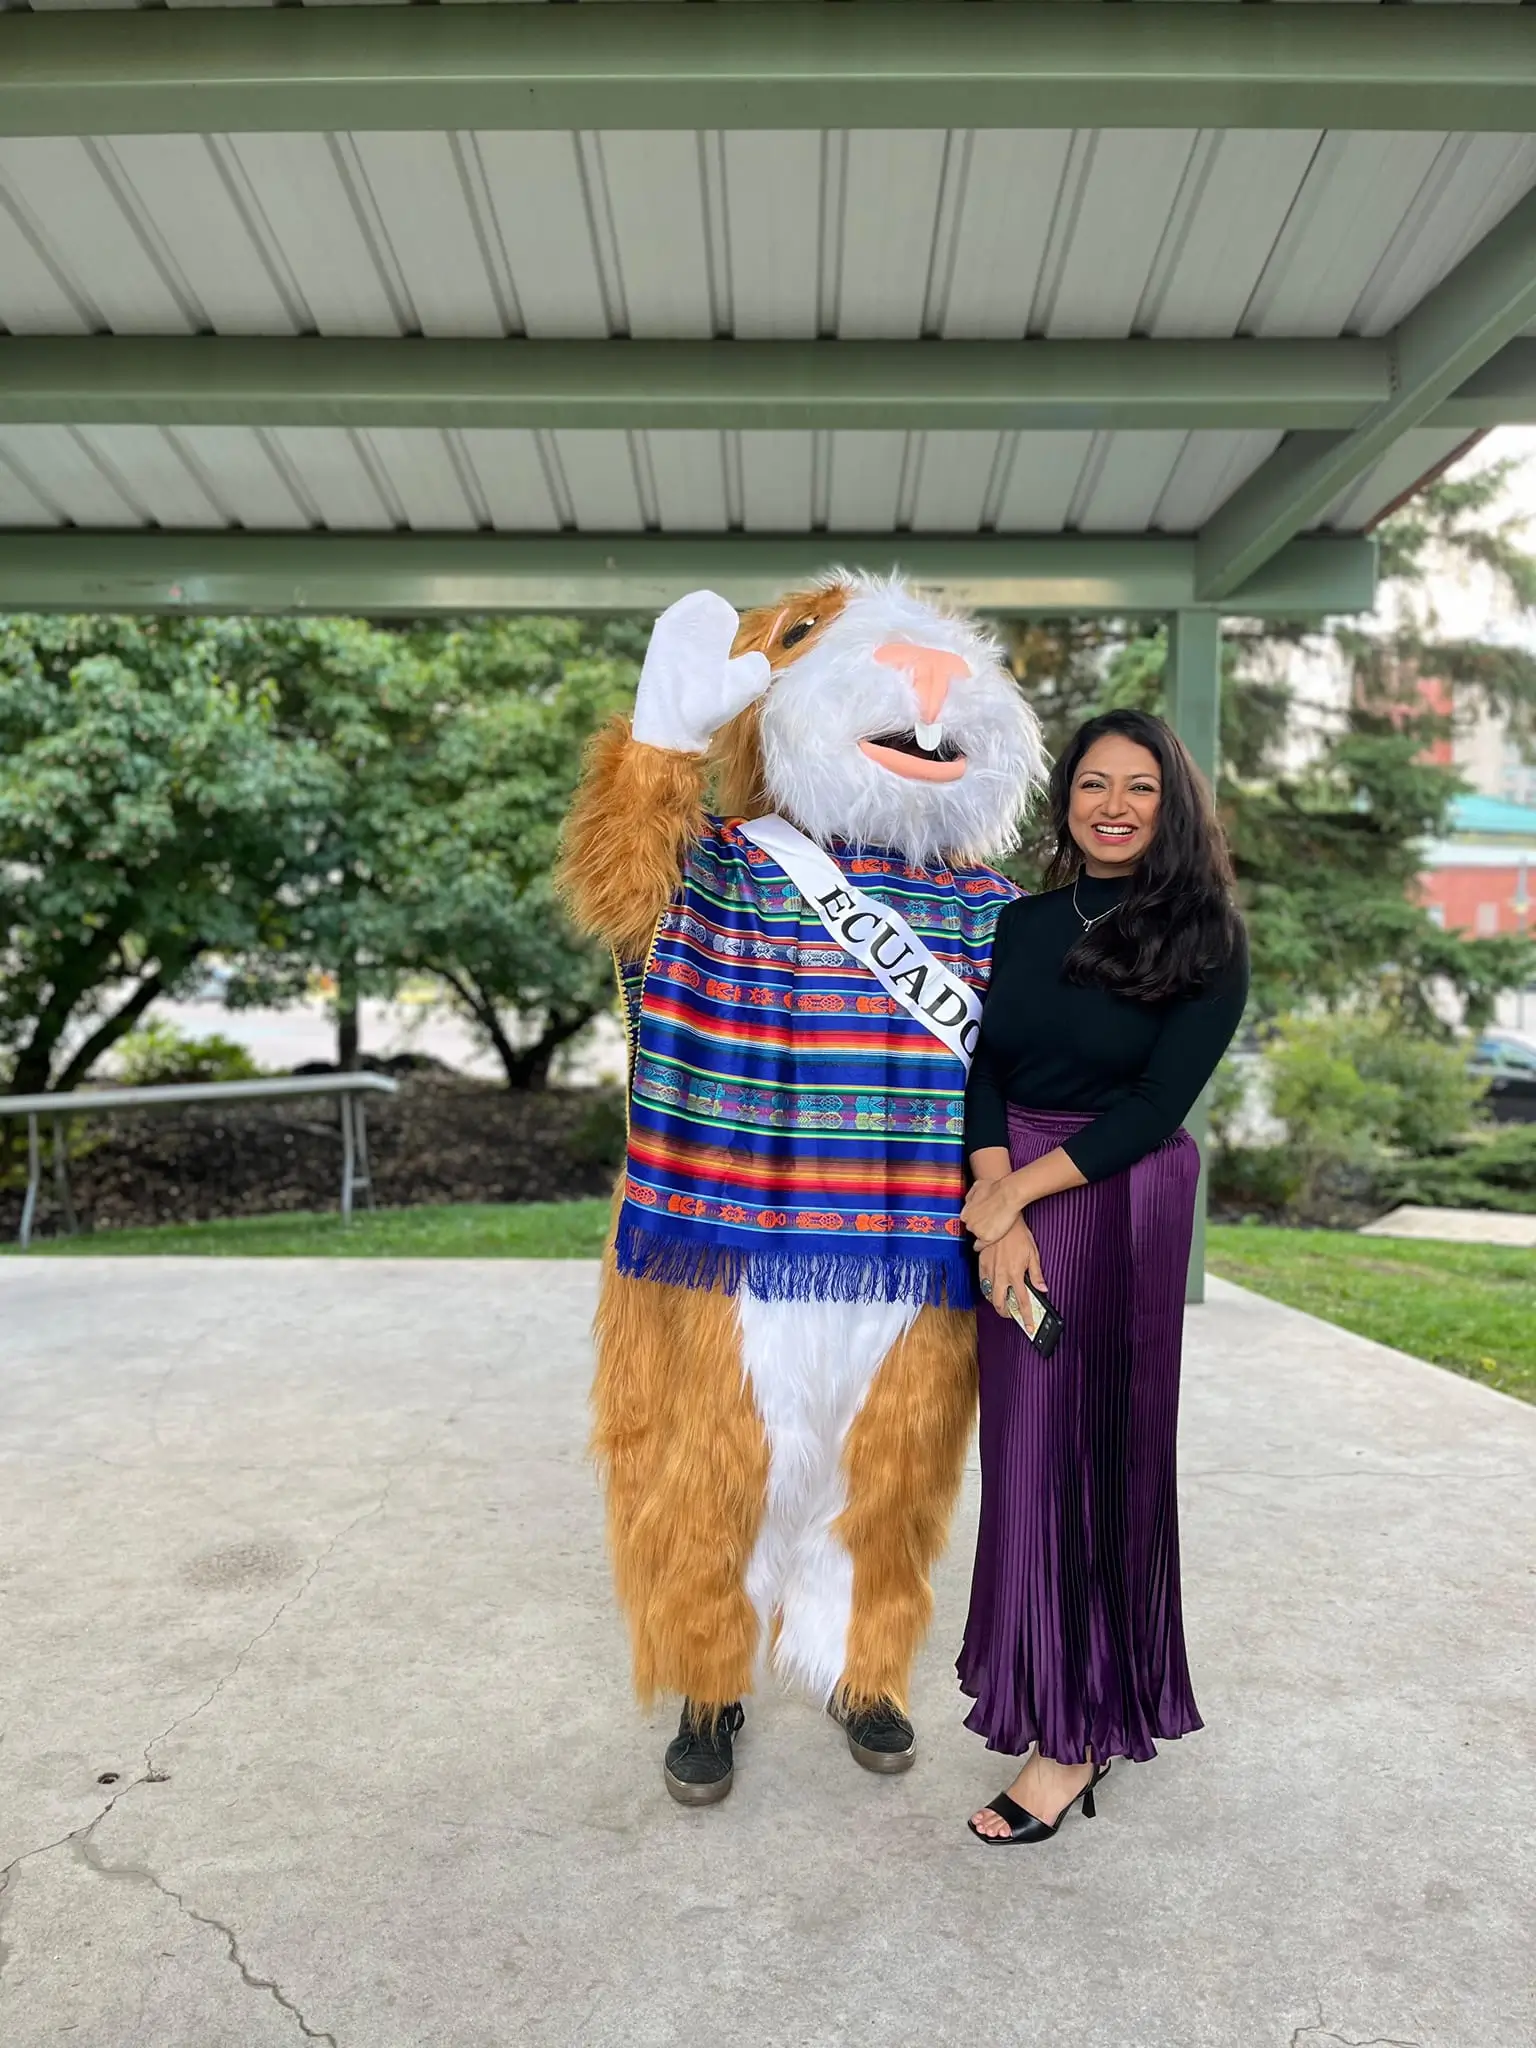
(1087, 922)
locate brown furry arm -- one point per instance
(627, 835)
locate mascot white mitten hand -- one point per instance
(689, 684)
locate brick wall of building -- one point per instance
(1479, 900)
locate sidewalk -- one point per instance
(1456, 1226)
(314, 1721)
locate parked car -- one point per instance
(1506, 1060)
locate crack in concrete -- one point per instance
(292, 1600)
(1349, 2040)
(139, 1873)
(152, 1776)
(1320, 2032)
(47, 1849)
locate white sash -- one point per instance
(876, 937)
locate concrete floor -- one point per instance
(315, 1720)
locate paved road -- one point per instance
(282, 1039)
(315, 1724)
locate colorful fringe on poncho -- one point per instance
(791, 1127)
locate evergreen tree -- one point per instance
(1326, 824)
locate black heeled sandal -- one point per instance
(1024, 1826)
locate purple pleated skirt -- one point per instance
(1076, 1633)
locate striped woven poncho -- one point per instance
(791, 1127)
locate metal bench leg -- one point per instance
(61, 1188)
(348, 1159)
(360, 1132)
(34, 1176)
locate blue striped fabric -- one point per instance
(791, 1127)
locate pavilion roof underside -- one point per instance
(562, 323)
(864, 236)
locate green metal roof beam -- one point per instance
(205, 380)
(862, 64)
(779, 384)
(1502, 393)
(1448, 337)
(416, 575)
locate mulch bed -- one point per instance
(442, 1138)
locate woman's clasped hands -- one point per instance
(1008, 1254)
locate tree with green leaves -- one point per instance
(364, 700)
(1457, 524)
(1326, 836)
(454, 751)
(297, 796)
(468, 874)
(151, 812)
(1328, 852)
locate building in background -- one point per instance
(1486, 756)
(1479, 878)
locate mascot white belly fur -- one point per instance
(810, 1365)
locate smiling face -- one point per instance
(1115, 797)
(892, 724)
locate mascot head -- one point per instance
(889, 723)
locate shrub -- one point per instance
(1254, 1179)
(1333, 1116)
(1226, 1102)
(1490, 1173)
(1437, 1098)
(1352, 1090)
(160, 1056)
(1359, 1080)
(599, 1139)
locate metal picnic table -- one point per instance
(349, 1089)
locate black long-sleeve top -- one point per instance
(1047, 1043)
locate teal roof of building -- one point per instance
(1484, 816)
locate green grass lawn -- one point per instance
(489, 1230)
(1471, 1307)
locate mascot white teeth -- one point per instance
(786, 1358)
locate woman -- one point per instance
(1113, 995)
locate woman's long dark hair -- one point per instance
(1178, 924)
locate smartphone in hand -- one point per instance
(1036, 1318)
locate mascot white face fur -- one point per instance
(900, 726)
(781, 1459)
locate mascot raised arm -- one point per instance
(785, 1355)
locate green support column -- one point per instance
(1194, 710)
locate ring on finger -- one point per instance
(986, 1290)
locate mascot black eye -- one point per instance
(797, 633)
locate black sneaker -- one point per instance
(700, 1763)
(880, 1737)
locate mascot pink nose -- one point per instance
(932, 669)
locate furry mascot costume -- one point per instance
(785, 1358)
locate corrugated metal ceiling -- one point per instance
(988, 235)
(954, 235)
(427, 480)
(424, 480)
